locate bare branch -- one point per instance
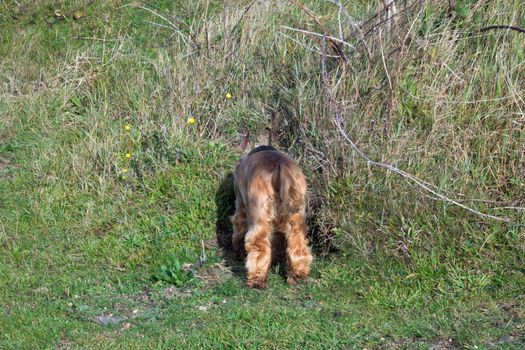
(304, 45)
(518, 29)
(424, 185)
(333, 43)
(408, 176)
(242, 16)
(353, 23)
(320, 36)
(416, 180)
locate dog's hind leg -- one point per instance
(298, 254)
(258, 247)
(240, 227)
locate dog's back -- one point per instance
(266, 171)
(261, 149)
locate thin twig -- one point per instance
(391, 8)
(516, 28)
(353, 23)
(242, 16)
(331, 40)
(513, 208)
(386, 20)
(340, 23)
(304, 45)
(320, 36)
(384, 60)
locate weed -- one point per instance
(172, 271)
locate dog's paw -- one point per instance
(292, 280)
(257, 284)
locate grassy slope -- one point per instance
(79, 241)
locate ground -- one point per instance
(114, 205)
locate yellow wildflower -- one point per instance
(127, 127)
(228, 96)
(125, 170)
(128, 155)
(191, 121)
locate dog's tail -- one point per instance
(291, 186)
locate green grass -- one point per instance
(86, 231)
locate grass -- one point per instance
(86, 231)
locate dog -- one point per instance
(270, 201)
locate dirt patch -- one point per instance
(215, 274)
(5, 161)
(447, 344)
(398, 344)
(173, 291)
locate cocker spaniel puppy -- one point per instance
(270, 192)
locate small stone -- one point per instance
(309, 303)
(505, 339)
(108, 320)
(41, 290)
(78, 15)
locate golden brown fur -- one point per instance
(270, 194)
